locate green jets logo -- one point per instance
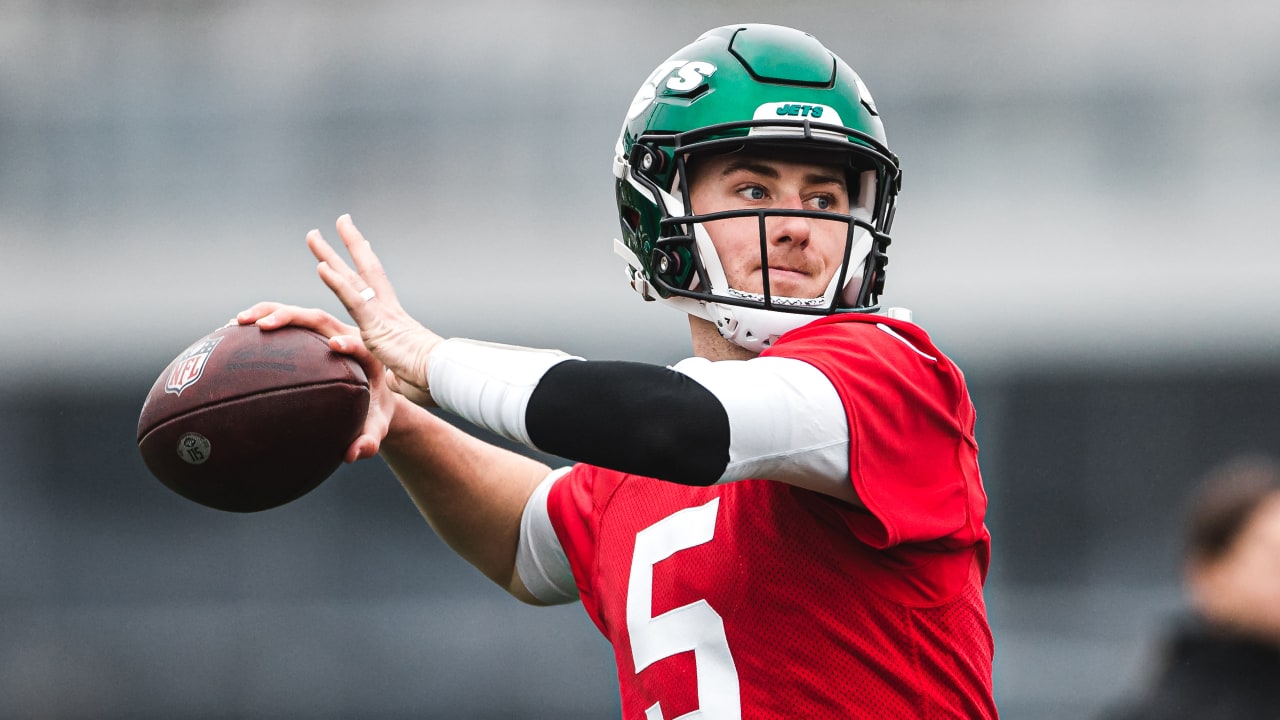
(813, 111)
(823, 114)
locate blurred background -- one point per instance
(1083, 226)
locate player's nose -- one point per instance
(789, 228)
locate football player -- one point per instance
(789, 523)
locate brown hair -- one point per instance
(1223, 503)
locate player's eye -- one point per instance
(825, 203)
(822, 202)
(752, 192)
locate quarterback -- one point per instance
(787, 524)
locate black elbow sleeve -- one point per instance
(633, 417)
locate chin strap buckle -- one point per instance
(640, 285)
(635, 276)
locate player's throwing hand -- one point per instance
(400, 342)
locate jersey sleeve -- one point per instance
(912, 453)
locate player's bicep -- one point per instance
(786, 422)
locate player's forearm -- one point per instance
(472, 493)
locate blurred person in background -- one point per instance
(1222, 661)
(788, 524)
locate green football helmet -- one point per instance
(750, 88)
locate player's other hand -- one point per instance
(401, 343)
(345, 339)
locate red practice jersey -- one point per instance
(757, 599)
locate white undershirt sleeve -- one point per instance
(541, 562)
(786, 422)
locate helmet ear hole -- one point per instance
(630, 218)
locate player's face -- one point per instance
(803, 253)
(1244, 585)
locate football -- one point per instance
(245, 420)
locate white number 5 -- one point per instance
(695, 626)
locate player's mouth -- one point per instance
(778, 272)
(793, 280)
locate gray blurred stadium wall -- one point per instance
(1084, 226)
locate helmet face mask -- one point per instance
(760, 91)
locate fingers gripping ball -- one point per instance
(246, 420)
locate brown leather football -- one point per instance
(245, 420)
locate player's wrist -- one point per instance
(408, 420)
(427, 343)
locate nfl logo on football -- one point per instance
(189, 367)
